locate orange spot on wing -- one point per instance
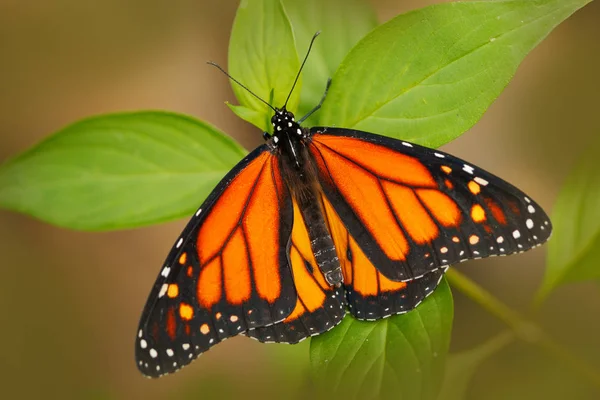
(209, 284)
(473, 239)
(218, 315)
(187, 329)
(173, 290)
(514, 207)
(171, 324)
(183, 258)
(363, 193)
(449, 184)
(384, 162)
(186, 312)
(474, 187)
(446, 169)
(236, 270)
(477, 213)
(443, 208)
(190, 271)
(495, 210)
(414, 218)
(204, 329)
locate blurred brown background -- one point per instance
(70, 301)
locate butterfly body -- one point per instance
(289, 143)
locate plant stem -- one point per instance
(524, 329)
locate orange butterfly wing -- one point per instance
(227, 273)
(413, 210)
(319, 306)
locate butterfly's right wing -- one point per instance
(227, 273)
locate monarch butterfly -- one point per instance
(316, 221)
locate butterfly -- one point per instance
(317, 222)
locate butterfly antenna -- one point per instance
(302, 66)
(239, 83)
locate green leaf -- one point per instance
(461, 367)
(262, 56)
(397, 357)
(119, 171)
(429, 75)
(574, 250)
(342, 24)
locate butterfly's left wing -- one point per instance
(227, 273)
(413, 210)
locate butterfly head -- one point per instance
(285, 125)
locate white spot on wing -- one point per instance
(185, 346)
(531, 209)
(170, 352)
(438, 155)
(165, 272)
(153, 353)
(481, 181)
(163, 290)
(198, 212)
(179, 242)
(516, 234)
(468, 169)
(500, 239)
(143, 344)
(407, 144)
(527, 199)
(529, 223)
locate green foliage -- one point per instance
(574, 251)
(429, 75)
(342, 24)
(263, 56)
(398, 357)
(425, 76)
(119, 171)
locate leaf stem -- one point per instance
(525, 330)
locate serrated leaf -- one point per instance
(119, 171)
(574, 251)
(400, 357)
(342, 24)
(262, 56)
(461, 367)
(428, 75)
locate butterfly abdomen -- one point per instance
(321, 242)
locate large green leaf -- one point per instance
(428, 75)
(119, 171)
(574, 251)
(400, 357)
(342, 24)
(262, 56)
